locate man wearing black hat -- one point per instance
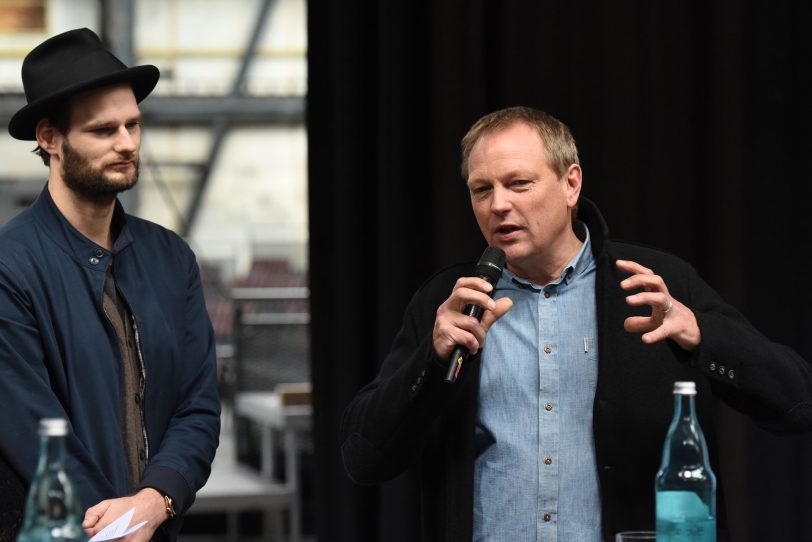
(102, 317)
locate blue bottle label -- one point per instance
(683, 517)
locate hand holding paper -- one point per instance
(129, 519)
(119, 528)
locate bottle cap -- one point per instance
(53, 427)
(684, 388)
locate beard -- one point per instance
(93, 184)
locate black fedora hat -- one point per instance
(66, 64)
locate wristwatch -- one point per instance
(170, 505)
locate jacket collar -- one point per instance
(589, 214)
(84, 251)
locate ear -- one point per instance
(48, 137)
(572, 181)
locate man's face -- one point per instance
(99, 155)
(519, 202)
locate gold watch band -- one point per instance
(170, 506)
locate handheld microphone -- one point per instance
(488, 268)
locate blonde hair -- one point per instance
(557, 138)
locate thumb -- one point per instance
(503, 305)
(94, 514)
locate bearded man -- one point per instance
(102, 317)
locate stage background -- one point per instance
(692, 120)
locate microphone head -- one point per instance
(490, 264)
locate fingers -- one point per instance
(669, 318)
(644, 282)
(651, 331)
(633, 267)
(655, 292)
(656, 335)
(503, 305)
(451, 330)
(639, 324)
(452, 327)
(147, 507)
(94, 514)
(641, 277)
(656, 300)
(471, 291)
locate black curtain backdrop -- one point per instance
(692, 120)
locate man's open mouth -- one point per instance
(504, 230)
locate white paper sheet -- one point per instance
(119, 528)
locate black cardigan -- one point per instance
(409, 418)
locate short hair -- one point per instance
(59, 118)
(557, 138)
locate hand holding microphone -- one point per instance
(467, 315)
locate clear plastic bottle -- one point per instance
(685, 486)
(52, 511)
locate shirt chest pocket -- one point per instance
(584, 370)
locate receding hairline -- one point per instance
(556, 138)
(497, 130)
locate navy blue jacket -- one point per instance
(59, 354)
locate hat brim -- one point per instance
(23, 124)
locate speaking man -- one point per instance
(554, 429)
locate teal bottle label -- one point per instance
(683, 517)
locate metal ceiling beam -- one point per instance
(222, 124)
(239, 110)
(199, 110)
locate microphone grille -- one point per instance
(491, 263)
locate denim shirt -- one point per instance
(535, 474)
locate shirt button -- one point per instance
(712, 366)
(93, 260)
(547, 349)
(548, 460)
(731, 374)
(548, 407)
(99, 254)
(547, 517)
(547, 295)
(414, 388)
(722, 370)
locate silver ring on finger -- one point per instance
(670, 305)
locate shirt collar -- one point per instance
(577, 266)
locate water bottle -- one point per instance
(685, 485)
(52, 510)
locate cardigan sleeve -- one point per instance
(386, 425)
(768, 381)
